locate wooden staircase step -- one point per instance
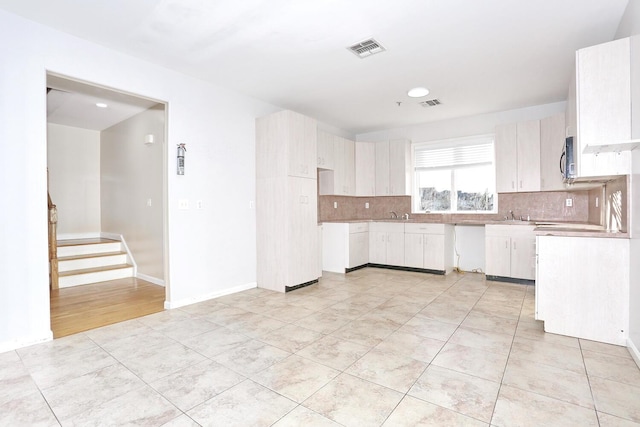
(94, 270)
(97, 255)
(92, 241)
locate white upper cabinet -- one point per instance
(552, 131)
(365, 169)
(599, 110)
(400, 168)
(604, 95)
(393, 168)
(288, 146)
(517, 147)
(382, 169)
(506, 158)
(325, 150)
(302, 145)
(339, 177)
(528, 142)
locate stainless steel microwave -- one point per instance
(567, 160)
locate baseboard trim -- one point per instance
(401, 268)
(301, 285)
(74, 236)
(634, 351)
(25, 342)
(150, 279)
(168, 305)
(511, 280)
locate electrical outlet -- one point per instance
(366, 205)
(569, 202)
(198, 204)
(183, 204)
(335, 205)
(149, 202)
(252, 204)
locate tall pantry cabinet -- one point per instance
(286, 201)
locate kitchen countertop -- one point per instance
(543, 228)
(579, 232)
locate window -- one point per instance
(455, 176)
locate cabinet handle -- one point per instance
(520, 183)
(514, 245)
(506, 244)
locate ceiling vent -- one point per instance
(430, 103)
(366, 48)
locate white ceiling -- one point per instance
(475, 56)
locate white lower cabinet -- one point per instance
(428, 246)
(386, 243)
(510, 251)
(358, 245)
(576, 295)
(344, 246)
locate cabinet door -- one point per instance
(413, 250)
(302, 238)
(506, 158)
(552, 131)
(399, 168)
(604, 93)
(382, 169)
(395, 248)
(377, 247)
(302, 146)
(339, 167)
(434, 251)
(523, 253)
(528, 155)
(498, 256)
(349, 167)
(358, 249)
(325, 150)
(365, 169)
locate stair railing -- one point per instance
(53, 244)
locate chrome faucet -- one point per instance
(405, 216)
(513, 217)
(394, 215)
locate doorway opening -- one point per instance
(106, 161)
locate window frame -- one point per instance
(452, 143)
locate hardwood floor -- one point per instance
(80, 308)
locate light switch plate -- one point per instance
(183, 204)
(335, 205)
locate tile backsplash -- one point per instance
(545, 206)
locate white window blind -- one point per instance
(436, 156)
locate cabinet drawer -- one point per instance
(387, 227)
(509, 230)
(358, 227)
(424, 228)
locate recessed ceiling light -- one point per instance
(101, 105)
(418, 92)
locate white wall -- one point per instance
(211, 251)
(73, 159)
(630, 22)
(131, 177)
(465, 126)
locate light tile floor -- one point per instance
(375, 347)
